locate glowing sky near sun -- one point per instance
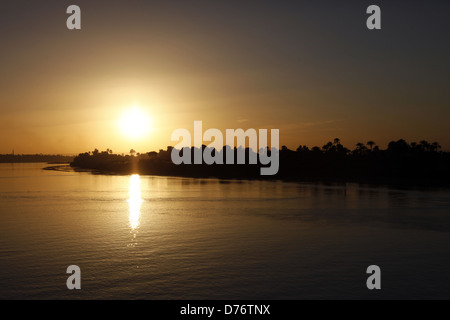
(312, 70)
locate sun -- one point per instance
(135, 123)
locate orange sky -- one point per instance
(314, 72)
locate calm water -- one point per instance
(176, 238)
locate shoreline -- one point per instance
(395, 183)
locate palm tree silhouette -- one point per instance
(328, 146)
(435, 146)
(360, 146)
(425, 145)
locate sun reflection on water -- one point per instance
(135, 201)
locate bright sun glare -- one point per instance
(135, 123)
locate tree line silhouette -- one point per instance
(401, 161)
(13, 158)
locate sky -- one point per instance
(311, 69)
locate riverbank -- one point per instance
(374, 181)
